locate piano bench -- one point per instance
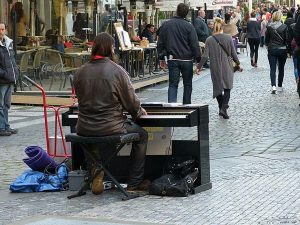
(119, 140)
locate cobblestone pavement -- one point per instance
(254, 161)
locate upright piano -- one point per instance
(161, 115)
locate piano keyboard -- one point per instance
(75, 116)
(158, 116)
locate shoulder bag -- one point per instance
(232, 63)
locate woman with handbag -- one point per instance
(220, 50)
(278, 42)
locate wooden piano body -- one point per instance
(161, 115)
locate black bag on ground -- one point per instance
(179, 179)
(172, 185)
(181, 166)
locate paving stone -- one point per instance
(255, 157)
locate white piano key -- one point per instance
(75, 116)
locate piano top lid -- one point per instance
(173, 104)
(159, 104)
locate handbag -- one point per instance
(231, 62)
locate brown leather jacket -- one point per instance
(104, 89)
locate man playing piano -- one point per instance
(104, 90)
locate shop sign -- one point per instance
(213, 4)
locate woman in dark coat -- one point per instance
(253, 35)
(278, 42)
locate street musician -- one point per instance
(104, 90)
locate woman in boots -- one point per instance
(221, 72)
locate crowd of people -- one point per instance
(273, 27)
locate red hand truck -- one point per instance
(53, 152)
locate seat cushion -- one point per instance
(113, 139)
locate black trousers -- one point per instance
(137, 154)
(254, 45)
(223, 99)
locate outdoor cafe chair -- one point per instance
(36, 64)
(56, 61)
(23, 67)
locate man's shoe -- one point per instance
(5, 133)
(144, 186)
(97, 184)
(12, 131)
(273, 90)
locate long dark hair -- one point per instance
(103, 46)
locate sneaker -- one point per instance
(97, 183)
(280, 89)
(12, 131)
(5, 133)
(144, 186)
(273, 90)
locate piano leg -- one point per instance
(199, 151)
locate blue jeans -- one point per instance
(274, 56)
(295, 66)
(5, 100)
(186, 69)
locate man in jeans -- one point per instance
(178, 44)
(8, 76)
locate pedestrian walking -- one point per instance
(219, 49)
(278, 42)
(201, 27)
(253, 35)
(178, 44)
(263, 29)
(296, 55)
(201, 30)
(231, 29)
(8, 76)
(244, 22)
